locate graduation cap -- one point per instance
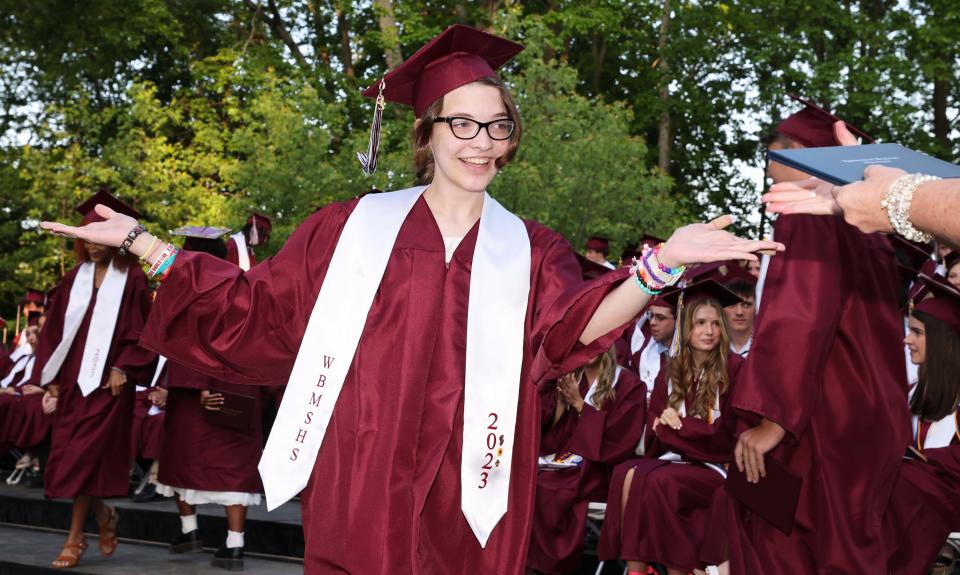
(598, 244)
(665, 299)
(813, 126)
(683, 297)
(200, 232)
(34, 296)
(939, 299)
(590, 269)
(456, 57)
(259, 222)
(715, 270)
(912, 258)
(86, 209)
(33, 318)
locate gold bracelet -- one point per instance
(146, 254)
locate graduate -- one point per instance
(411, 431)
(742, 315)
(925, 506)
(597, 249)
(823, 387)
(203, 461)
(90, 357)
(146, 433)
(256, 232)
(659, 507)
(598, 415)
(650, 355)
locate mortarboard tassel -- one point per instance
(675, 344)
(254, 234)
(368, 161)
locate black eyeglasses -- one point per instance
(467, 129)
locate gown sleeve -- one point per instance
(800, 312)
(563, 306)
(137, 362)
(610, 434)
(245, 327)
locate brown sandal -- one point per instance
(108, 532)
(70, 555)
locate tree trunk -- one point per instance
(343, 31)
(664, 138)
(388, 33)
(598, 50)
(941, 123)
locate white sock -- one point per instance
(234, 539)
(188, 523)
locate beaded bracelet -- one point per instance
(649, 281)
(128, 241)
(897, 204)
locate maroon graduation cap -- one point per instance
(665, 299)
(940, 299)
(34, 296)
(262, 221)
(702, 289)
(598, 244)
(813, 126)
(456, 57)
(627, 255)
(103, 196)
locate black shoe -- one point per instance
(148, 494)
(186, 542)
(229, 558)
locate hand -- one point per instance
(811, 196)
(48, 403)
(30, 389)
(115, 382)
(158, 397)
(211, 401)
(671, 419)
(860, 201)
(705, 243)
(753, 445)
(111, 232)
(568, 389)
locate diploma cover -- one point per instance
(237, 411)
(842, 165)
(774, 498)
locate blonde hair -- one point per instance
(682, 372)
(606, 378)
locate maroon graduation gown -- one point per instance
(385, 492)
(90, 444)
(233, 254)
(197, 454)
(146, 431)
(827, 365)
(669, 508)
(924, 509)
(603, 438)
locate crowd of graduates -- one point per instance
(741, 418)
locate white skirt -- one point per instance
(200, 497)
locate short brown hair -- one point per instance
(423, 130)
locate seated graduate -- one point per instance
(659, 507)
(146, 433)
(741, 315)
(23, 425)
(596, 418)
(925, 505)
(206, 460)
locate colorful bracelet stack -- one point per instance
(161, 267)
(897, 203)
(651, 275)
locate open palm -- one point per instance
(111, 232)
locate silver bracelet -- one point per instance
(897, 204)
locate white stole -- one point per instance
(715, 415)
(161, 363)
(24, 362)
(243, 256)
(649, 364)
(100, 332)
(496, 313)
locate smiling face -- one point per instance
(468, 165)
(916, 341)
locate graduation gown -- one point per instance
(200, 455)
(384, 496)
(827, 365)
(603, 438)
(90, 442)
(669, 507)
(146, 432)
